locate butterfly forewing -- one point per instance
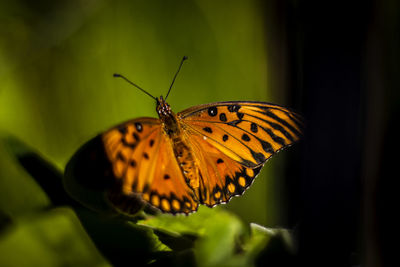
(247, 132)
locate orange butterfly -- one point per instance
(203, 155)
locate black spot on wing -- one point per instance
(267, 146)
(222, 117)
(233, 108)
(139, 126)
(254, 127)
(121, 157)
(122, 129)
(259, 157)
(136, 136)
(207, 129)
(245, 137)
(212, 111)
(125, 143)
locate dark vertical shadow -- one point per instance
(332, 81)
(326, 56)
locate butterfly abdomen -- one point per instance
(186, 162)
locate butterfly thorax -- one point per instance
(182, 150)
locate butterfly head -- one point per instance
(167, 117)
(163, 108)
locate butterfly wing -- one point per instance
(232, 141)
(144, 163)
(221, 177)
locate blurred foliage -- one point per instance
(51, 238)
(57, 91)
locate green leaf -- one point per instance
(218, 233)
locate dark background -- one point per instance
(343, 59)
(336, 62)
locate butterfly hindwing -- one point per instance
(221, 177)
(168, 190)
(143, 163)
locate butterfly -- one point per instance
(205, 154)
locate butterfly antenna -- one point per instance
(116, 75)
(176, 74)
